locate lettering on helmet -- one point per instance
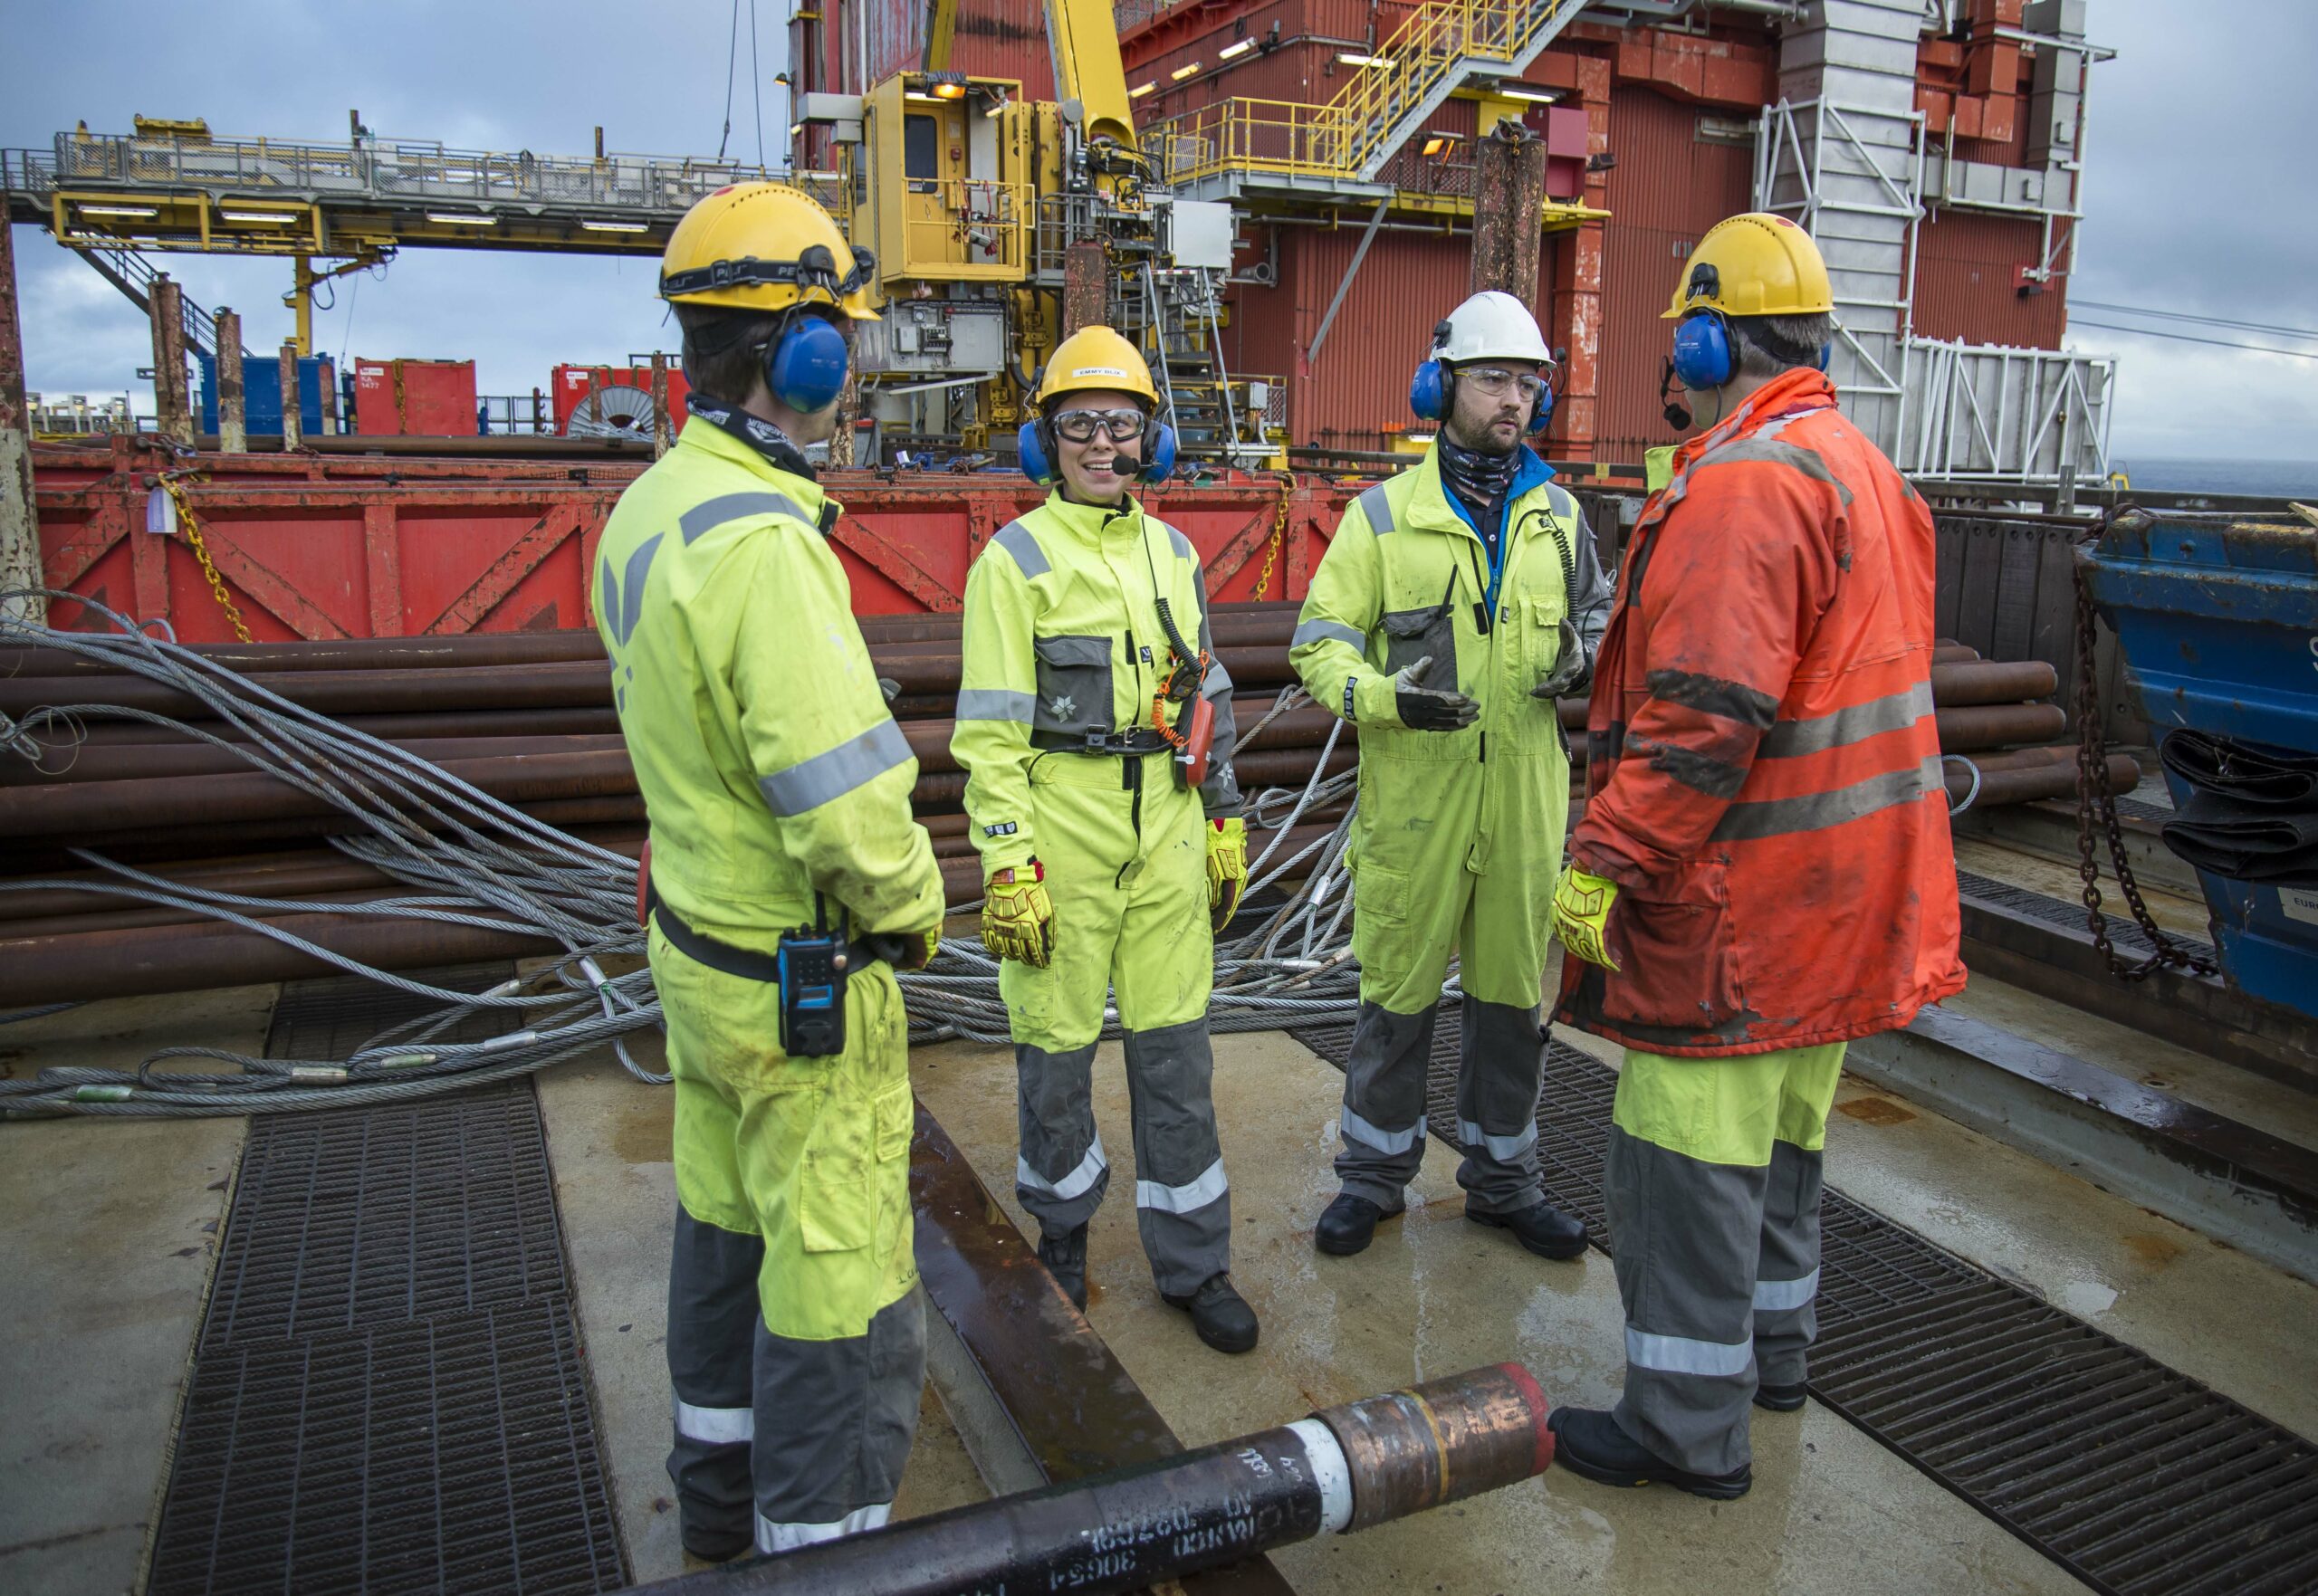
(1096, 371)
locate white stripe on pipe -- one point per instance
(1188, 1198)
(773, 1536)
(1330, 1472)
(1504, 1149)
(715, 1426)
(1777, 1295)
(1678, 1354)
(1353, 1128)
(1075, 1184)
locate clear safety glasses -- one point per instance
(1080, 426)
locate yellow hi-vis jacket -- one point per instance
(769, 765)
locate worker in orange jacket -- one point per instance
(1764, 870)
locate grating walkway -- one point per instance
(389, 1393)
(2123, 935)
(2135, 1478)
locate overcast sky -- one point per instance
(2199, 192)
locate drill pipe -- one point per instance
(1344, 1469)
(593, 722)
(55, 962)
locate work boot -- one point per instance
(1347, 1225)
(1064, 1257)
(1221, 1316)
(1780, 1398)
(716, 1546)
(1590, 1443)
(1541, 1227)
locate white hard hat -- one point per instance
(1490, 326)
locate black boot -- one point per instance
(1221, 1316)
(716, 1546)
(1541, 1227)
(1064, 1257)
(1780, 1398)
(1590, 1443)
(1347, 1225)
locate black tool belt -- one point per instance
(746, 964)
(1142, 740)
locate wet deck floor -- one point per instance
(112, 1227)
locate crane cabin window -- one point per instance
(922, 153)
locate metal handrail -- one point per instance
(972, 205)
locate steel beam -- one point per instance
(20, 560)
(172, 409)
(233, 417)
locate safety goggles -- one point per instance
(1079, 426)
(1496, 381)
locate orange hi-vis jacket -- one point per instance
(1762, 775)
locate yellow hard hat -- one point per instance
(1096, 358)
(765, 246)
(1755, 265)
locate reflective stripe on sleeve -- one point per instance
(1505, 1150)
(996, 703)
(1893, 713)
(1773, 1296)
(1188, 1198)
(1077, 1183)
(811, 783)
(1353, 1128)
(715, 1426)
(1015, 540)
(1182, 545)
(716, 512)
(1377, 508)
(1678, 1354)
(1817, 811)
(772, 1537)
(1320, 630)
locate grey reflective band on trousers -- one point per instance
(1320, 630)
(1018, 541)
(1353, 1128)
(716, 512)
(996, 703)
(715, 1426)
(1189, 1197)
(1374, 505)
(1077, 1183)
(1774, 1296)
(1678, 1354)
(787, 1537)
(811, 783)
(1504, 1149)
(1893, 713)
(1817, 811)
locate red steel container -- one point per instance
(415, 398)
(569, 386)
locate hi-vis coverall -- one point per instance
(1063, 643)
(1764, 787)
(771, 771)
(1457, 838)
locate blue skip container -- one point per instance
(2217, 615)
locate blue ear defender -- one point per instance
(1429, 391)
(1159, 458)
(1030, 450)
(1702, 354)
(806, 366)
(1826, 353)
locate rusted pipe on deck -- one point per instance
(1342, 1469)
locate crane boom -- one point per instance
(1083, 37)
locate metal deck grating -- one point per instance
(2137, 1479)
(389, 1393)
(2124, 933)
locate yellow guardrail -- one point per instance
(1340, 138)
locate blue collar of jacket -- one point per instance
(1530, 472)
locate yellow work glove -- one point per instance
(1227, 868)
(1017, 917)
(1582, 915)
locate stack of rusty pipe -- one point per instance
(528, 718)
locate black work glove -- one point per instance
(1573, 671)
(1429, 709)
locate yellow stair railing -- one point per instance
(1359, 129)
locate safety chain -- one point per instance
(2093, 797)
(1279, 533)
(192, 524)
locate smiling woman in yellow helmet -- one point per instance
(1096, 735)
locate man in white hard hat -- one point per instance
(1458, 601)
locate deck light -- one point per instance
(462, 219)
(1231, 51)
(617, 226)
(1138, 93)
(119, 210)
(260, 218)
(1382, 64)
(949, 91)
(1181, 72)
(1524, 91)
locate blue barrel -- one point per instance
(2217, 615)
